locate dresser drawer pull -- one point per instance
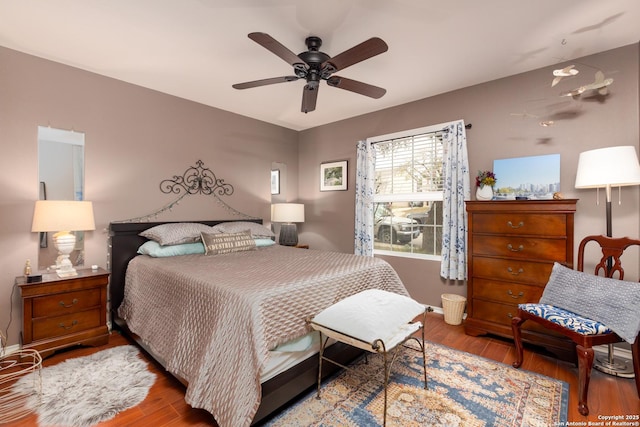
(520, 294)
(520, 224)
(510, 316)
(515, 273)
(74, 302)
(512, 249)
(74, 323)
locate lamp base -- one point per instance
(612, 366)
(65, 242)
(288, 235)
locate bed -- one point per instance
(205, 316)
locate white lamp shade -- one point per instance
(287, 212)
(611, 166)
(63, 215)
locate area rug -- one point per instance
(463, 390)
(84, 391)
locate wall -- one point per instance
(135, 138)
(579, 125)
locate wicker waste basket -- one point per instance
(453, 307)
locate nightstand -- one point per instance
(63, 312)
(302, 246)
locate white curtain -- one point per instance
(365, 180)
(457, 189)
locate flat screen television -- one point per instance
(532, 177)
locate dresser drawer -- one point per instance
(65, 303)
(66, 324)
(520, 247)
(520, 223)
(514, 270)
(502, 314)
(507, 293)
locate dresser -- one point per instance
(512, 247)
(62, 312)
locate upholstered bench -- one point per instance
(376, 321)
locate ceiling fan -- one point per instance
(314, 66)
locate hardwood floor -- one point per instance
(165, 406)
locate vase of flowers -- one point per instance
(484, 185)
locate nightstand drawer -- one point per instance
(65, 303)
(67, 324)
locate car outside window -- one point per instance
(408, 194)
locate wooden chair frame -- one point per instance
(612, 250)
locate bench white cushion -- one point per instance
(371, 315)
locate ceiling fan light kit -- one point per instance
(315, 66)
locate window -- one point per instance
(409, 193)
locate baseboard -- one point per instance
(619, 352)
(440, 311)
(11, 349)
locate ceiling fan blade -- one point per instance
(356, 86)
(309, 97)
(271, 44)
(264, 82)
(365, 50)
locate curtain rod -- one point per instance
(445, 130)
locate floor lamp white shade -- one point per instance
(609, 167)
(288, 214)
(62, 217)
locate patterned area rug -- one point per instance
(84, 391)
(464, 390)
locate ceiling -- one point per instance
(196, 49)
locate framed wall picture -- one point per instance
(275, 181)
(333, 176)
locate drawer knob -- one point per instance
(510, 316)
(73, 302)
(520, 224)
(520, 294)
(512, 249)
(62, 325)
(515, 273)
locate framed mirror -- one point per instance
(60, 177)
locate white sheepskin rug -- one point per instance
(84, 391)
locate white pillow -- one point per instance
(370, 315)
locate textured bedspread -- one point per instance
(213, 319)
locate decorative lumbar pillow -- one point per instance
(176, 233)
(224, 243)
(154, 249)
(612, 302)
(257, 230)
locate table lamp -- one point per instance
(287, 214)
(62, 217)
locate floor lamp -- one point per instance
(609, 167)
